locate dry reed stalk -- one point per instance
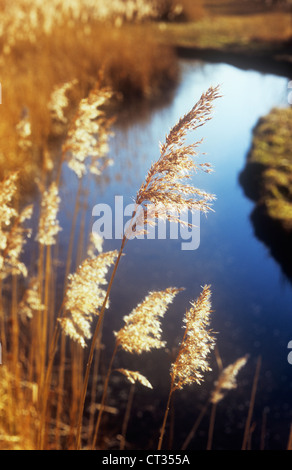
(93, 389)
(133, 377)
(127, 416)
(48, 230)
(88, 136)
(251, 405)
(226, 381)
(163, 185)
(211, 425)
(60, 390)
(191, 361)
(141, 333)
(12, 239)
(17, 411)
(93, 344)
(193, 431)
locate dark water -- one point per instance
(251, 297)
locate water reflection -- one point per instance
(252, 305)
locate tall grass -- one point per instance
(51, 322)
(43, 48)
(39, 357)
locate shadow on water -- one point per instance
(267, 230)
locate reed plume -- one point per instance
(227, 379)
(23, 130)
(142, 330)
(134, 376)
(16, 238)
(7, 212)
(198, 341)
(85, 295)
(12, 233)
(59, 101)
(141, 333)
(163, 185)
(165, 192)
(89, 133)
(31, 301)
(48, 223)
(95, 244)
(192, 358)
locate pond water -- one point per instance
(251, 298)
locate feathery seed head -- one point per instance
(31, 301)
(142, 330)
(7, 213)
(227, 379)
(12, 234)
(89, 134)
(48, 223)
(198, 341)
(85, 295)
(134, 377)
(59, 101)
(165, 184)
(15, 240)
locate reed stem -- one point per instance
(162, 431)
(127, 416)
(100, 413)
(251, 405)
(211, 426)
(193, 431)
(93, 342)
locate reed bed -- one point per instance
(37, 360)
(51, 346)
(50, 58)
(51, 322)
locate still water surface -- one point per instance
(252, 300)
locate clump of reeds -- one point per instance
(141, 333)
(226, 381)
(165, 186)
(86, 290)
